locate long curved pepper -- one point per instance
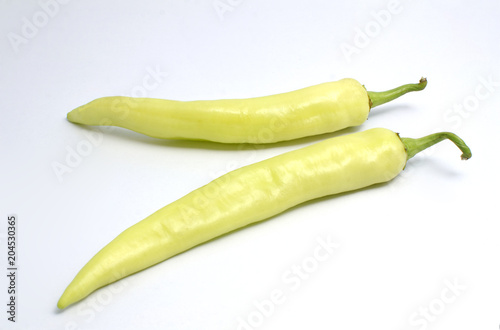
(314, 110)
(250, 194)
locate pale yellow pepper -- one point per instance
(314, 110)
(248, 195)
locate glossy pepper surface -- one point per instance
(318, 109)
(251, 194)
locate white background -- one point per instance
(420, 252)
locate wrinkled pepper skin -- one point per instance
(247, 195)
(314, 110)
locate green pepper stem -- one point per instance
(414, 146)
(378, 98)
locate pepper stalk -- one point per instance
(414, 146)
(378, 98)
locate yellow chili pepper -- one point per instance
(318, 109)
(250, 194)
